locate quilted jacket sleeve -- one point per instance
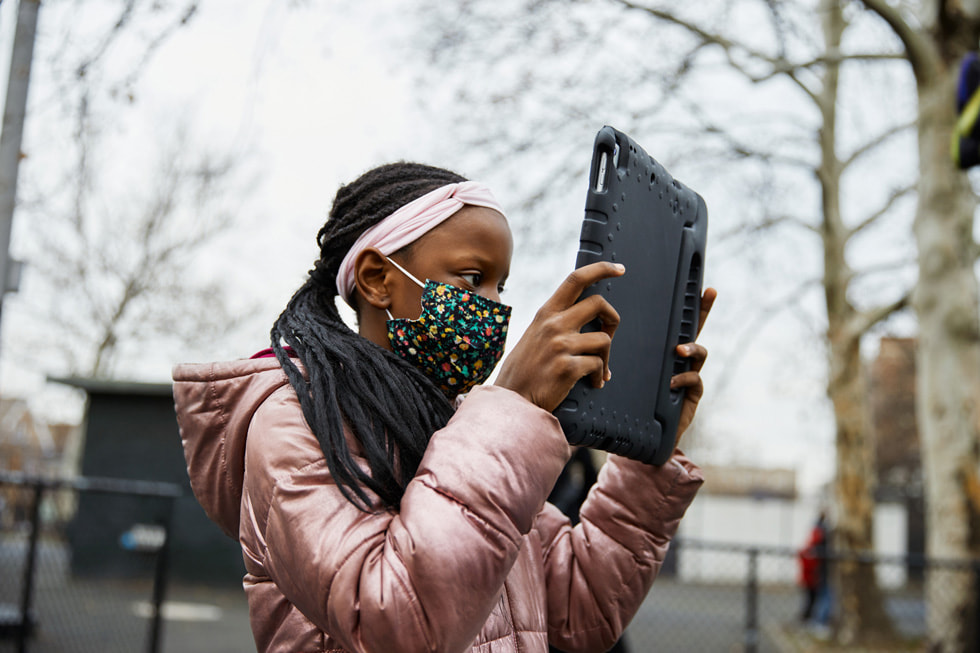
(599, 572)
(425, 577)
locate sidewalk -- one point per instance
(111, 615)
(205, 619)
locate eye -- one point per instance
(474, 279)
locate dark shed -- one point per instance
(130, 432)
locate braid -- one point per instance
(389, 406)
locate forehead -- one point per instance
(473, 231)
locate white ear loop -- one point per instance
(407, 274)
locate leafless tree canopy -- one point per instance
(118, 219)
(775, 106)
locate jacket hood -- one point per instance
(214, 404)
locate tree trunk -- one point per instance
(862, 618)
(861, 611)
(948, 366)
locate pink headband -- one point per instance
(411, 222)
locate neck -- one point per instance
(372, 324)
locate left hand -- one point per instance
(691, 380)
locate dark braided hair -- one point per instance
(390, 406)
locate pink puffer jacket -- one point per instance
(473, 560)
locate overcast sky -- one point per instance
(311, 98)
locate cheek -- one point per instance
(491, 294)
(408, 303)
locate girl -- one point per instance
(376, 509)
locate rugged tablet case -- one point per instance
(638, 215)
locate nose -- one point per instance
(489, 291)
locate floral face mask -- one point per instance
(457, 340)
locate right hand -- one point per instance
(553, 353)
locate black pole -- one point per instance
(26, 620)
(976, 605)
(160, 579)
(752, 603)
(11, 136)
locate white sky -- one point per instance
(313, 97)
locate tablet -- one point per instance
(638, 215)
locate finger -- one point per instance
(707, 301)
(592, 344)
(580, 351)
(694, 352)
(590, 308)
(591, 366)
(580, 279)
(691, 381)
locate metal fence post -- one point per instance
(752, 603)
(976, 605)
(160, 578)
(26, 621)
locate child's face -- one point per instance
(470, 250)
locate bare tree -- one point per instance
(111, 275)
(116, 239)
(934, 36)
(645, 67)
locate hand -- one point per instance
(691, 380)
(553, 353)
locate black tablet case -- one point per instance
(638, 215)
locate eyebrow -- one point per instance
(465, 257)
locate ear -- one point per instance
(370, 278)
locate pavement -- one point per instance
(116, 619)
(202, 618)
(111, 615)
(76, 614)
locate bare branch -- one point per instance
(882, 268)
(107, 40)
(786, 67)
(896, 195)
(778, 65)
(755, 326)
(107, 343)
(875, 142)
(837, 57)
(765, 225)
(155, 43)
(919, 51)
(864, 320)
(741, 150)
(778, 26)
(702, 34)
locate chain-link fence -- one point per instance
(92, 576)
(735, 597)
(83, 563)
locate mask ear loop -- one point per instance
(406, 273)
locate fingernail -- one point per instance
(620, 267)
(608, 374)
